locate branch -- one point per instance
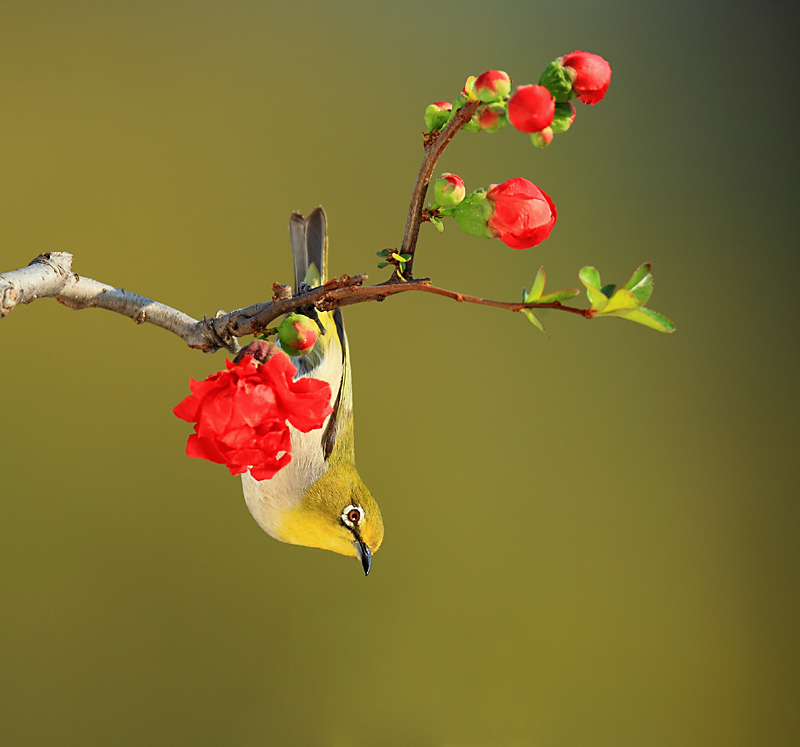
(432, 153)
(50, 276)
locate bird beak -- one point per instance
(364, 555)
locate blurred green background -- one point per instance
(591, 537)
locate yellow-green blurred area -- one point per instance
(592, 537)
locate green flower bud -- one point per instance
(491, 117)
(563, 117)
(448, 190)
(437, 115)
(542, 138)
(557, 79)
(473, 213)
(493, 85)
(297, 334)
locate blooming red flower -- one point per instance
(523, 214)
(590, 74)
(531, 108)
(493, 85)
(241, 414)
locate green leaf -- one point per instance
(639, 274)
(397, 257)
(590, 277)
(439, 225)
(641, 283)
(536, 323)
(383, 253)
(381, 265)
(608, 290)
(406, 257)
(622, 300)
(646, 316)
(537, 287)
(597, 298)
(562, 295)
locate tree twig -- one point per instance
(50, 276)
(432, 153)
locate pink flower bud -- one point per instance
(493, 85)
(437, 115)
(531, 108)
(523, 214)
(543, 138)
(590, 74)
(297, 334)
(449, 190)
(491, 117)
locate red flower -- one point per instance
(523, 215)
(241, 414)
(531, 108)
(590, 74)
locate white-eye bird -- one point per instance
(319, 499)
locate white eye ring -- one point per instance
(352, 516)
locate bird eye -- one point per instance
(352, 515)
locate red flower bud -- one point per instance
(437, 115)
(241, 414)
(590, 74)
(493, 85)
(449, 190)
(531, 108)
(491, 117)
(298, 334)
(523, 214)
(517, 212)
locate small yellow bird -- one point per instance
(319, 499)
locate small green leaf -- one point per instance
(381, 265)
(439, 225)
(646, 316)
(597, 298)
(536, 323)
(383, 253)
(397, 257)
(641, 272)
(622, 300)
(590, 277)
(537, 287)
(562, 295)
(406, 257)
(608, 290)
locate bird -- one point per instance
(319, 498)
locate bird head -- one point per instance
(337, 513)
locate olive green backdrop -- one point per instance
(591, 537)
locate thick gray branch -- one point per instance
(50, 276)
